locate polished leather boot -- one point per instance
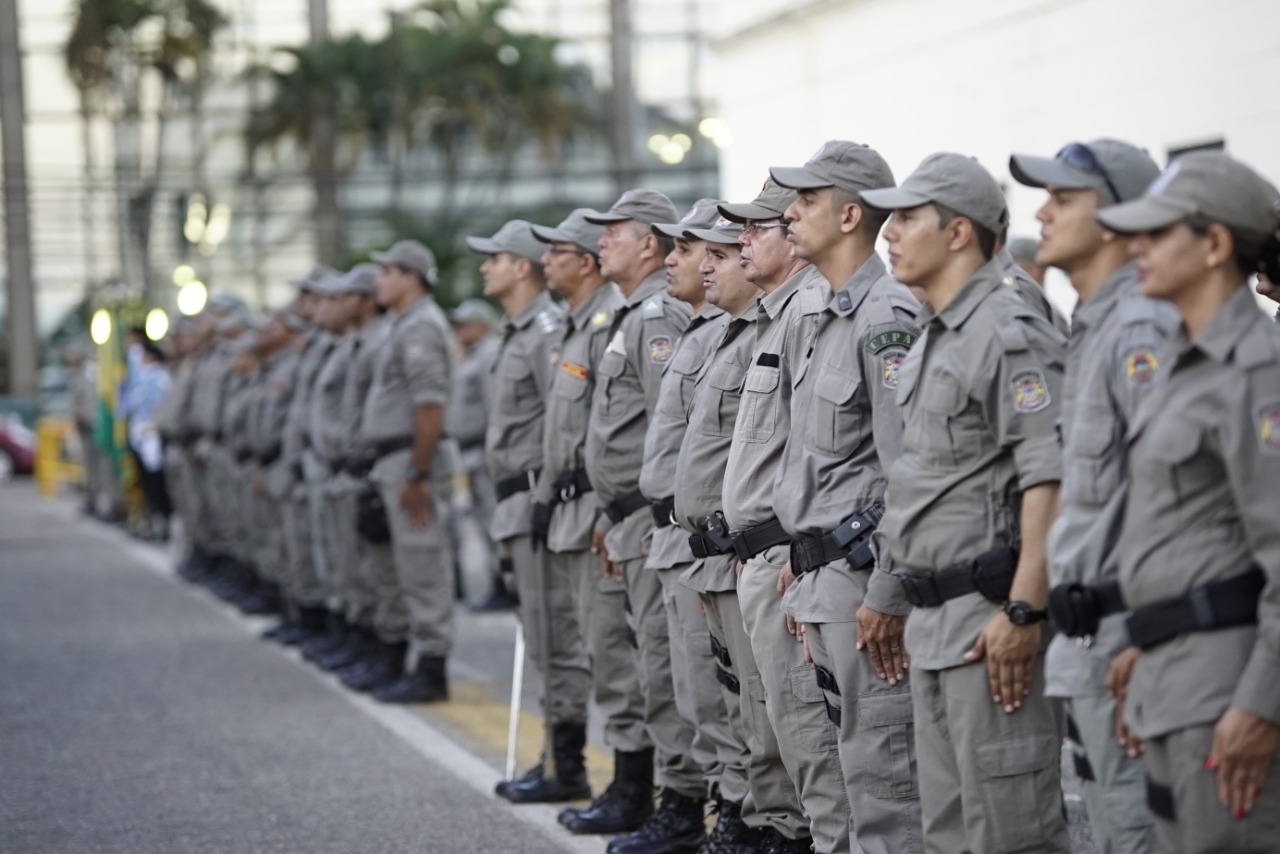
(426, 683)
(330, 638)
(358, 642)
(731, 835)
(568, 740)
(677, 827)
(625, 805)
(776, 843)
(383, 666)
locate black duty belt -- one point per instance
(851, 541)
(990, 573)
(750, 542)
(1077, 609)
(1217, 605)
(516, 484)
(243, 456)
(270, 457)
(570, 486)
(390, 446)
(622, 507)
(664, 512)
(716, 540)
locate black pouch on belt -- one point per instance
(993, 574)
(1077, 609)
(371, 516)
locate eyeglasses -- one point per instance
(1080, 156)
(556, 251)
(753, 229)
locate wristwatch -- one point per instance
(1022, 614)
(413, 475)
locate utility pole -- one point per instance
(324, 153)
(24, 346)
(623, 106)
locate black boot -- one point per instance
(731, 835)
(358, 642)
(570, 782)
(625, 805)
(264, 599)
(383, 665)
(426, 683)
(296, 625)
(776, 843)
(678, 827)
(333, 636)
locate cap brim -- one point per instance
(893, 199)
(747, 211)
(1043, 172)
(798, 178)
(483, 245)
(607, 218)
(546, 234)
(381, 257)
(710, 235)
(668, 229)
(1148, 213)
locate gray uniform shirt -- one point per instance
(1031, 291)
(327, 427)
(169, 416)
(468, 415)
(704, 453)
(568, 411)
(666, 434)
(1111, 366)
(786, 323)
(522, 375)
(846, 428)
(414, 368)
(1204, 506)
(364, 359)
(240, 390)
(205, 413)
(980, 393)
(270, 412)
(297, 426)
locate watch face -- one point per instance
(1018, 613)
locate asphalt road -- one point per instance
(136, 715)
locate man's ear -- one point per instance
(850, 217)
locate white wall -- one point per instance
(989, 77)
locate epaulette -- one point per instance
(652, 307)
(547, 321)
(1259, 346)
(813, 298)
(1012, 338)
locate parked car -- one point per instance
(17, 447)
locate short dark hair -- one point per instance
(986, 237)
(666, 244)
(423, 281)
(873, 218)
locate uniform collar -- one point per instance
(988, 280)
(536, 306)
(1093, 310)
(583, 314)
(846, 301)
(1228, 327)
(748, 315)
(708, 314)
(654, 282)
(773, 303)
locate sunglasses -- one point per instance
(1080, 156)
(753, 229)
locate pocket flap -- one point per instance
(1017, 756)
(726, 377)
(1178, 446)
(944, 395)
(612, 365)
(762, 378)
(876, 710)
(1092, 438)
(515, 369)
(835, 386)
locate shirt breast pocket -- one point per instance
(758, 417)
(1192, 470)
(685, 368)
(837, 418)
(612, 366)
(946, 436)
(1095, 469)
(519, 386)
(724, 387)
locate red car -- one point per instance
(17, 447)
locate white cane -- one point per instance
(517, 688)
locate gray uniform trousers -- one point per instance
(808, 741)
(269, 542)
(770, 799)
(353, 592)
(877, 743)
(316, 475)
(302, 582)
(699, 700)
(217, 500)
(546, 589)
(177, 472)
(674, 765)
(1202, 824)
(422, 557)
(247, 529)
(601, 612)
(1116, 799)
(390, 616)
(989, 781)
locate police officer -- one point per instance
(1199, 550)
(513, 451)
(685, 645)
(970, 500)
(830, 497)
(404, 423)
(1112, 364)
(1023, 252)
(579, 603)
(741, 807)
(1029, 288)
(782, 703)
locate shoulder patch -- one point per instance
(1030, 391)
(898, 338)
(652, 307)
(1011, 336)
(1141, 365)
(600, 318)
(661, 348)
(891, 366)
(1269, 427)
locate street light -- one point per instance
(100, 327)
(192, 297)
(157, 324)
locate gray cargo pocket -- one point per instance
(884, 746)
(808, 707)
(1012, 777)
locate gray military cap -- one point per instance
(1116, 169)
(224, 302)
(702, 214)
(646, 206)
(314, 278)
(576, 229)
(838, 163)
(771, 203)
(474, 311)
(360, 279)
(1208, 186)
(1023, 248)
(516, 237)
(723, 230)
(291, 320)
(411, 255)
(953, 181)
